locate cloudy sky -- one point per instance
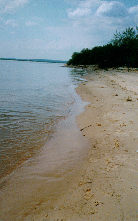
(54, 29)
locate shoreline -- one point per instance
(34, 188)
(106, 187)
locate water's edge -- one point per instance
(42, 179)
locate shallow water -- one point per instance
(34, 188)
(34, 96)
(55, 143)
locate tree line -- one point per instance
(122, 50)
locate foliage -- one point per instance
(121, 51)
(125, 38)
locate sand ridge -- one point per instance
(107, 186)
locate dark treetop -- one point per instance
(122, 50)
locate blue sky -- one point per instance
(54, 29)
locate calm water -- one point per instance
(34, 96)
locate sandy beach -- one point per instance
(105, 187)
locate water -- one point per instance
(34, 96)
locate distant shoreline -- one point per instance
(33, 60)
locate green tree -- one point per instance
(126, 37)
(121, 51)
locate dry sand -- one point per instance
(107, 186)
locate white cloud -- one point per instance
(133, 10)
(79, 12)
(11, 22)
(112, 9)
(30, 23)
(11, 5)
(84, 8)
(94, 8)
(97, 12)
(89, 3)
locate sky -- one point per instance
(54, 29)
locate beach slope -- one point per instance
(107, 186)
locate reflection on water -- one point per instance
(33, 97)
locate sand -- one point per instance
(106, 185)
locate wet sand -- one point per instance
(106, 188)
(102, 185)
